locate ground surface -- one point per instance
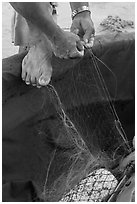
(125, 10)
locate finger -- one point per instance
(61, 56)
(75, 31)
(91, 43)
(75, 53)
(87, 35)
(80, 46)
(89, 32)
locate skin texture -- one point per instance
(83, 26)
(39, 15)
(36, 66)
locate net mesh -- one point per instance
(95, 187)
(88, 144)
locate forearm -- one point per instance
(38, 14)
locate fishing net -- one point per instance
(90, 135)
(66, 139)
(95, 187)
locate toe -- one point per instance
(45, 78)
(27, 80)
(23, 74)
(33, 80)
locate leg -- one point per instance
(36, 65)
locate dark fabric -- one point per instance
(22, 191)
(118, 53)
(30, 121)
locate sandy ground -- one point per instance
(100, 10)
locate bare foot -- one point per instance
(36, 65)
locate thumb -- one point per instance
(87, 35)
(75, 31)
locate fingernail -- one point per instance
(91, 44)
(92, 39)
(86, 40)
(82, 42)
(82, 53)
(76, 31)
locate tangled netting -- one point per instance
(95, 187)
(90, 141)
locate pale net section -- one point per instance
(88, 145)
(94, 188)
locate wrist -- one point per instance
(81, 11)
(84, 14)
(76, 5)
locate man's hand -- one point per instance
(68, 45)
(83, 26)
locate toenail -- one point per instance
(27, 82)
(38, 87)
(44, 82)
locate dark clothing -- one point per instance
(30, 121)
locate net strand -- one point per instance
(106, 93)
(69, 124)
